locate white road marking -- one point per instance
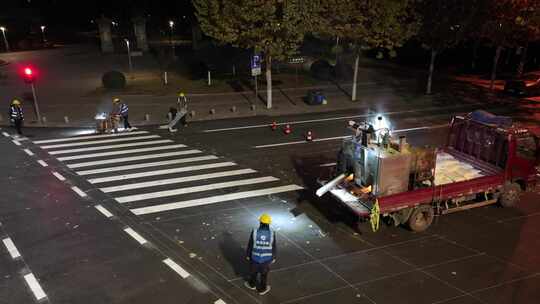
(94, 155)
(34, 286)
(159, 172)
(42, 163)
(220, 301)
(180, 191)
(55, 140)
(13, 251)
(347, 136)
(178, 180)
(59, 176)
(98, 142)
(213, 199)
(27, 151)
(147, 165)
(328, 165)
(17, 143)
(136, 144)
(103, 211)
(181, 271)
(336, 118)
(6, 134)
(78, 191)
(132, 158)
(136, 236)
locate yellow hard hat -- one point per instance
(265, 219)
(116, 100)
(15, 102)
(181, 94)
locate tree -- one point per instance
(274, 27)
(445, 23)
(382, 25)
(503, 27)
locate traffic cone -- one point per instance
(287, 129)
(274, 126)
(309, 136)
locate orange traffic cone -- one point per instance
(274, 126)
(287, 129)
(309, 136)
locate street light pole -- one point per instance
(36, 107)
(3, 29)
(43, 33)
(129, 55)
(171, 26)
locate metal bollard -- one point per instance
(66, 119)
(233, 109)
(253, 107)
(192, 114)
(212, 111)
(44, 119)
(147, 117)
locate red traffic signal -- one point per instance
(29, 75)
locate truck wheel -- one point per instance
(510, 195)
(421, 218)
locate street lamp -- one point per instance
(129, 54)
(171, 27)
(43, 33)
(3, 29)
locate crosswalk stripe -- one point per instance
(132, 158)
(55, 140)
(159, 172)
(94, 155)
(178, 180)
(180, 191)
(213, 199)
(96, 142)
(147, 165)
(110, 147)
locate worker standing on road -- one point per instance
(261, 252)
(16, 115)
(123, 112)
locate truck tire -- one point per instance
(421, 218)
(510, 195)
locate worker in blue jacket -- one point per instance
(261, 252)
(123, 112)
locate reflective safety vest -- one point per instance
(15, 112)
(123, 109)
(263, 241)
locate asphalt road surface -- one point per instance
(152, 217)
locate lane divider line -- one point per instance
(328, 165)
(59, 176)
(177, 268)
(103, 211)
(135, 236)
(16, 142)
(347, 136)
(27, 151)
(13, 251)
(5, 134)
(44, 164)
(34, 286)
(78, 191)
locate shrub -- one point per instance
(322, 70)
(114, 80)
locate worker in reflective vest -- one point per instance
(16, 115)
(261, 252)
(123, 112)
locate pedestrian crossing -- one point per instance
(149, 174)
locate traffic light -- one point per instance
(29, 75)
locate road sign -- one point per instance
(256, 65)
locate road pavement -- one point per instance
(152, 217)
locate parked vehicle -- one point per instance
(484, 162)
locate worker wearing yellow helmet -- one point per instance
(261, 252)
(16, 115)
